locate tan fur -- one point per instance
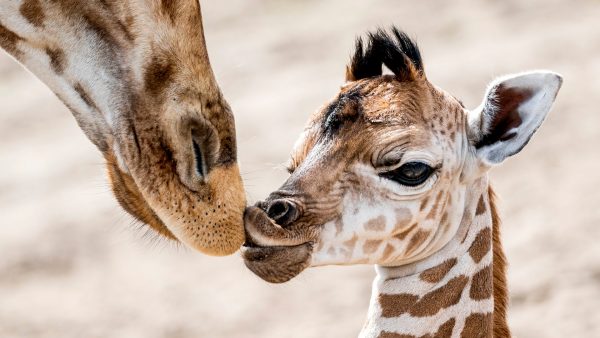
(130, 198)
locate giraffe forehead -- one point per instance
(372, 144)
(373, 113)
(382, 99)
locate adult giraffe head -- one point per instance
(136, 75)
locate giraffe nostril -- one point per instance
(262, 205)
(283, 212)
(277, 209)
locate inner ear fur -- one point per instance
(512, 110)
(502, 114)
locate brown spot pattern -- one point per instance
(428, 305)
(33, 12)
(126, 28)
(57, 59)
(444, 218)
(158, 74)
(376, 224)
(101, 28)
(403, 217)
(481, 245)
(445, 330)
(424, 203)
(387, 252)
(395, 305)
(371, 246)
(438, 272)
(481, 285)
(387, 334)
(440, 298)
(402, 235)
(9, 40)
(170, 8)
(480, 206)
(416, 241)
(477, 325)
(351, 242)
(436, 205)
(84, 96)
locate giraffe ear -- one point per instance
(512, 110)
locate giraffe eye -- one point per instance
(410, 174)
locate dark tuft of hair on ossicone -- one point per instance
(394, 49)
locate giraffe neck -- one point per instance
(460, 291)
(100, 57)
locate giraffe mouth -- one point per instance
(274, 254)
(277, 264)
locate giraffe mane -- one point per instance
(500, 287)
(394, 49)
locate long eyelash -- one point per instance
(437, 168)
(290, 166)
(415, 188)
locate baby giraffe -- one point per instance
(394, 172)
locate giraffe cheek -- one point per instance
(404, 217)
(332, 253)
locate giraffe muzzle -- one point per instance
(273, 252)
(262, 230)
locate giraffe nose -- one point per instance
(283, 211)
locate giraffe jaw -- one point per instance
(277, 264)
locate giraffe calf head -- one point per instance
(380, 173)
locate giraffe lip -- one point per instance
(249, 243)
(277, 264)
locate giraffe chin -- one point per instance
(277, 264)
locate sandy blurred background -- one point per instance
(72, 264)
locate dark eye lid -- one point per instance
(412, 173)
